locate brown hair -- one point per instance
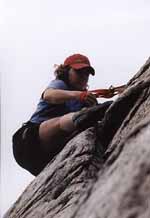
(62, 73)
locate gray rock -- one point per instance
(103, 172)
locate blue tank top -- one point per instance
(45, 110)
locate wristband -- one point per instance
(83, 96)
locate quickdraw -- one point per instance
(108, 93)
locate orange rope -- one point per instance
(108, 93)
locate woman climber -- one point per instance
(65, 106)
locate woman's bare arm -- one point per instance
(58, 96)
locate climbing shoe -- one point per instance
(89, 116)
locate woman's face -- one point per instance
(79, 78)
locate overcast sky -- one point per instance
(36, 34)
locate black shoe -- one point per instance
(89, 116)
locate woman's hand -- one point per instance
(88, 98)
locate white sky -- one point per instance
(36, 34)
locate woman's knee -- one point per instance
(66, 123)
(53, 132)
(49, 128)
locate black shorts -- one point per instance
(27, 149)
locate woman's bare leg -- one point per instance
(52, 132)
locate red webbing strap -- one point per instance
(108, 93)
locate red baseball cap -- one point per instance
(78, 61)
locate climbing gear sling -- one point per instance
(108, 93)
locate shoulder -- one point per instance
(57, 84)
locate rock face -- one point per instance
(102, 172)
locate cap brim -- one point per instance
(80, 66)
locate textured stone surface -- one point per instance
(103, 172)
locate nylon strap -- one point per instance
(108, 93)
